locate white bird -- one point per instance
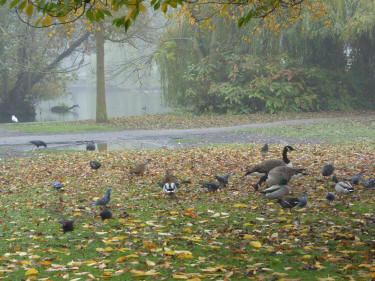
(170, 188)
(343, 187)
(14, 119)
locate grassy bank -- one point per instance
(233, 234)
(169, 121)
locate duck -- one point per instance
(283, 172)
(170, 188)
(327, 170)
(223, 180)
(168, 177)
(342, 187)
(139, 169)
(277, 191)
(264, 167)
(38, 143)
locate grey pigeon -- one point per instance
(95, 165)
(38, 143)
(328, 170)
(223, 180)
(57, 185)
(368, 184)
(330, 196)
(106, 214)
(302, 200)
(210, 186)
(104, 200)
(67, 225)
(355, 179)
(90, 146)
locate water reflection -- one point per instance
(120, 102)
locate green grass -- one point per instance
(57, 127)
(336, 132)
(217, 229)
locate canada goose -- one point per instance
(327, 170)
(283, 172)
(277, 191)
(264, 167)
(342, 187)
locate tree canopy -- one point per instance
(44, 13)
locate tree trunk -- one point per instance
(101, 107)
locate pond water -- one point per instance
(120, 102)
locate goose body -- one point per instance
(264, 167)
(276, 191)
(283, 172)
(343, 186)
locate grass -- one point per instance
(170, 121)
(234, 234)
(336, 132)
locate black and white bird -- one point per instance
(90, 146)
(343, 186)
(95, 165)
(106, 214)
(57, 185)
(14, 119)
(38, 143)
(67, 225)
(327, 170)
(277, 191)
(210, 186)
(368, 184)
(330, 196)
(356, 178)
(104, 200)
(170, 188)
(223, 180)
(302, 200)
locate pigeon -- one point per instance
(342, 187)
(288, 203)
(14, 119)
(223, 180)
(104, 200)
(327, 170)
(95, 165)
(355, 179)
(38, 143)
(67, 225)
(106, 214)
(170, 188)
(368, 184)
(210, 186)
(302, 200)
(90, 146)
(330, 196)
(57, 185)
(264, 149)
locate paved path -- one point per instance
(12, 142)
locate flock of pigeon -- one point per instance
(275, 173)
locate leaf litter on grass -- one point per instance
(232, 234)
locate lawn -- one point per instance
(233, 234)
(171, 121)
(335, 132)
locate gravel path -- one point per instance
(15, 143)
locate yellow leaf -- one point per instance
(180, 276)
(248, 236)
(256, 244)
(29, 10)
(124, 258)
(185, 256)
(150, 263)
(141, 8)
(213, 269)
(137, 273)
(129, 15)
(169, 253)
(47, 21)
(240, 206)
(31, 271)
